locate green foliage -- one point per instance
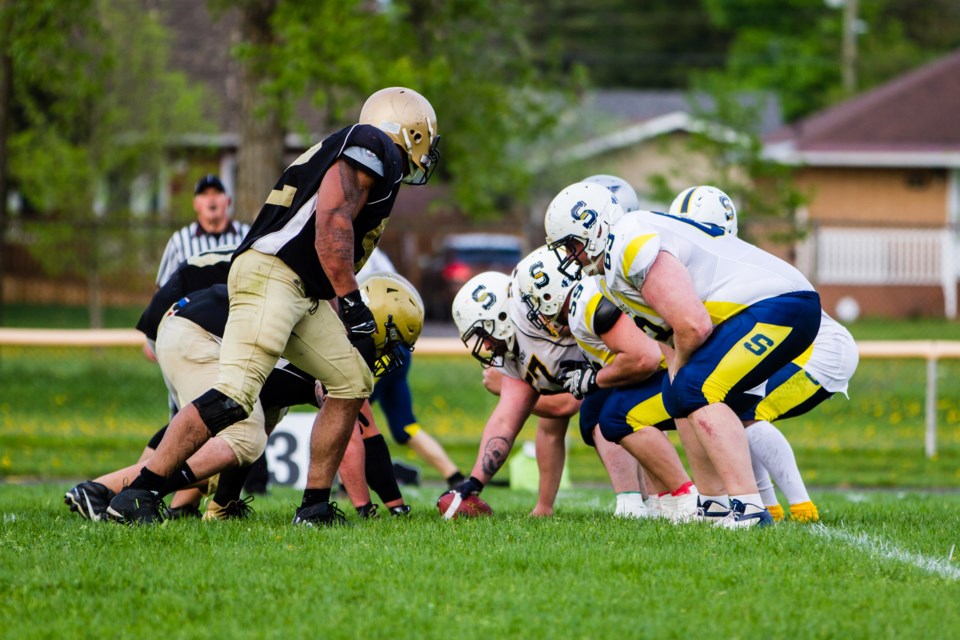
(482, 82)
(95, 107)
(878, 569)
(794, 47)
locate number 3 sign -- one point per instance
(288, 450)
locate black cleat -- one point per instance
(136, 506)
(368, 511)
(400, 511)
(406, 474)
(322, 514)
(183, 512)
(89, 499)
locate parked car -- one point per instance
(463, 256)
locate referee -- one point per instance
(213, 227)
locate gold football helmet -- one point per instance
(409, 120)
(398, 311)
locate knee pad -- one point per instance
(247, 441)
(218, 411)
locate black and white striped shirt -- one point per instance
(192, 240)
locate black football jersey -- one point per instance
(285, 226)
(199, 272)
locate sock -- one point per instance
(182, 477)
(749, 498)
(684, 489)
(230, 485)
(379, 469)
(455, 479)
(776, 511)
(775, 454)
(723, 501)
(764, 485)
(148, 480)
(315, 496)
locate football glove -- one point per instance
(469, 487)
(360, 324)
(578, 377)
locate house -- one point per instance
(883, 171)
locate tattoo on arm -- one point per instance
(495, 455)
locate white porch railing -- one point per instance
(859, 256)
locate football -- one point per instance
(469, 507)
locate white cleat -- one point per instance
(630, 505)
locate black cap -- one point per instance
(207, 182)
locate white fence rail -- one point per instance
(932, 351)
(857, 256)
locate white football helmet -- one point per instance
(577, 223)
(542, 288)
(706, 204)
(410, 121)
(480, 313)
(620, 188)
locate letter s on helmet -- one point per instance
(542, 287)
(480, 313)
(708, 205)
(408, 118)
(398, 311)
(582, 212)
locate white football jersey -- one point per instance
(583, 305)
(539, 354)
(833, 358)
(728, 274)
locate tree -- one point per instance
(94, 107)
(470, 59)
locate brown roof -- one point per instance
(916, 112)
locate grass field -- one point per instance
(880, 567)
(883, 565)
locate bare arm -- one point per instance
(516, 401)
(636, 355)
(342, 194)
(669, 291)
(560, 405)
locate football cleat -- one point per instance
(89, 499)
(321, 514)
(185, 511)
(653, 506)
(745, 515)
(804, 512)
(136, 506)
(630, 505)
(400, 511)
(368, 511)
(233, 510)
(776, 512)
(681, 508)
(406, 474)
(710, 510)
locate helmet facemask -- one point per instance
(419, 171)
(487, 349)
(393, 352)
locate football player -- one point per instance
(529, 384)
(315, 230)
(734, 314)
(820, 372)
(619, 380)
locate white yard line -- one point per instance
(883, 549)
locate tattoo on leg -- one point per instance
(495, 455)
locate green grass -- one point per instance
(580, 574)
(72, 413)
